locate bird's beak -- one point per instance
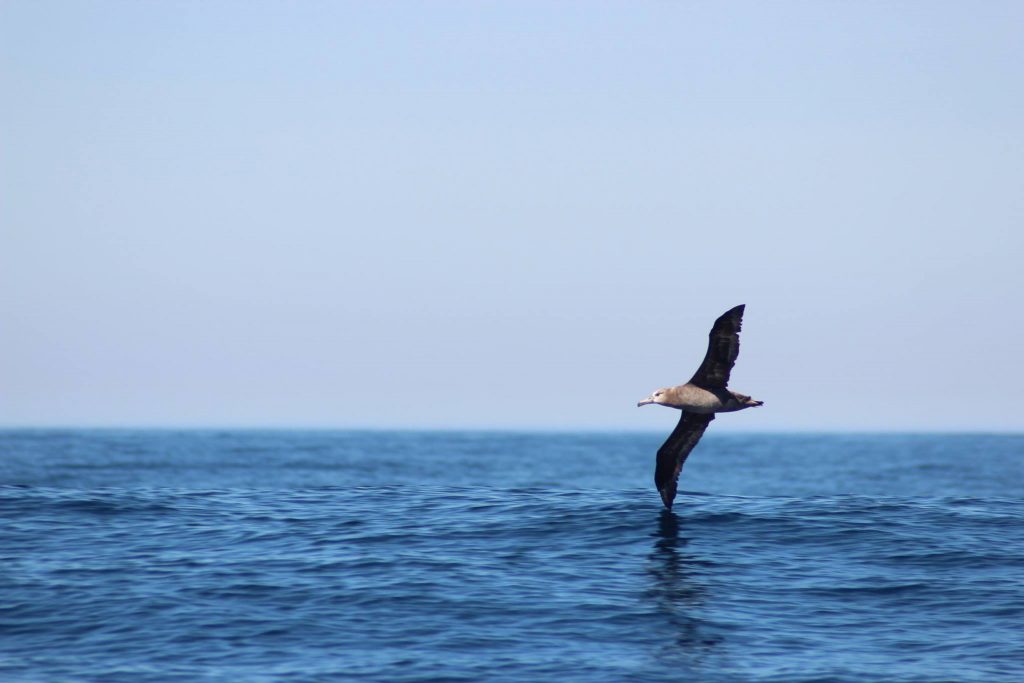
(646, 401)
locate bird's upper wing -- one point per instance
(723, 347)
(673, 452)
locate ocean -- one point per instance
(491, 556)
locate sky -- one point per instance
(510, 215)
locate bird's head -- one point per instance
(660, 397)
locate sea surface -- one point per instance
(475, 556)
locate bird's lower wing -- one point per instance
(673, 452)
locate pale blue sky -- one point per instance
(509, 214)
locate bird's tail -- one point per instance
(744, 401)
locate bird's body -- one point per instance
(695, 399)
(699, 399)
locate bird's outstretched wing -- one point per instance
(723, 347)
(673, 452)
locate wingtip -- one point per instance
(734, 311)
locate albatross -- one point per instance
(699, 399)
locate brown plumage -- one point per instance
(699, 399)
(723, 348)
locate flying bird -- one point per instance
(699, 399)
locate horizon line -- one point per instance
(499, 429)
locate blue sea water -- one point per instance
(401, 556)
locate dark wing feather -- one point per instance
(723, 347)
(673, 452)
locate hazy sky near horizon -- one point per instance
(509, 214)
